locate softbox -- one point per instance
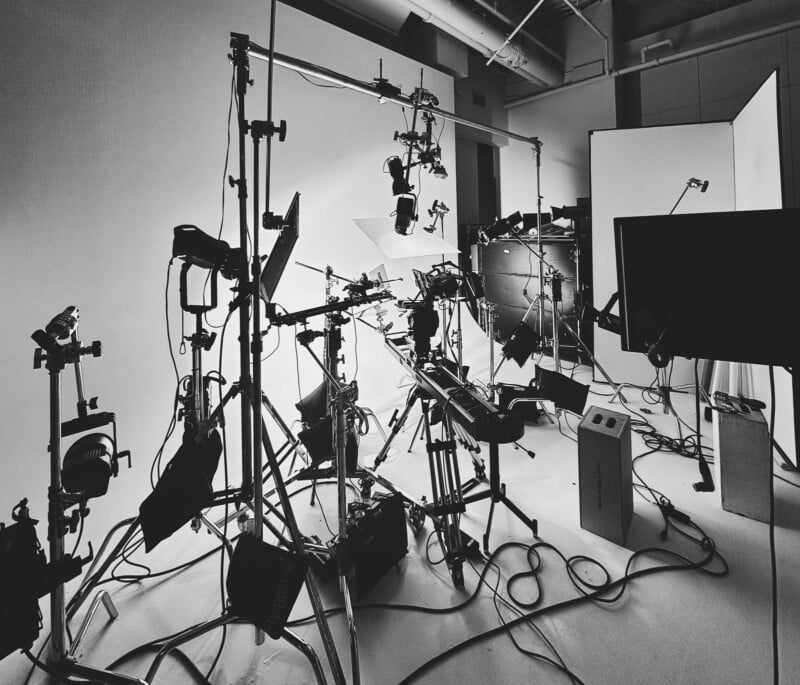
(183, 490)
(561, 390)
(522, 343)
(318, 441)
(263, 583)
(314, 405)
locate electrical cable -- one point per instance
(158, 644)
(497, 599)
(684, 446)
(221, 646)
(318, 85)
(166, 314)
(587, 591)
(38, 656)
(561, 430)
(786, 480)
(224, 184)
(274, 349)
(324, 518)
(776, 676)
(223, 547)
(49, 670)
(182, 345)
(155, 466)
(297, 365)
(428, 549)
(80, 535)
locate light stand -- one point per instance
(555, 298)
(254, 434)
(342, 409)
(537, 152)
(557, 319)
(62, 653)
(655, 355)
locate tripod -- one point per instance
(62, 650)
(438, 384)
(558, 319)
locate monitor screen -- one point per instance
(279, 257)
(718, 285)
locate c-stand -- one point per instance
(254, 433)
(343, 413)
(55, 356)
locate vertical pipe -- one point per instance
(242, 73)
(459, 348)
(255, 351)
(197, 374)
(554, 299)
(537, 151)
(258, 482)
(58, 634)
(489, 309)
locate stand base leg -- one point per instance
(351, 626)
(95, 675)
(103, 598)
(202, 629)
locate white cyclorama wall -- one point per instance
(114, 122)
(756, 149)
(561, 122)
(642, 172)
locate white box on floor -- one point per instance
(741, 462)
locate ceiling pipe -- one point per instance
(654, 46)
(516, 30)
(658, 61)
(508, 22)
(459, 22)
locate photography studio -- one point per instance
(399, 341)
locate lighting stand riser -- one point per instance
(62, 653)
(559, 320)
(254, 432)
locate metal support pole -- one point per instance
(103, 598)
(488, 309)
(255, 351)
(537, 151)
(555, 281)
(366, 88)
(58, 628)
(511, 35)
(242, 65)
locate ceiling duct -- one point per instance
(460, 23)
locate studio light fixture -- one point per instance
(200, 249)
(397, 172)
(404, 214)
(499, 228)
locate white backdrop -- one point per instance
(641, 172)
(757, 150)
(114, 133)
